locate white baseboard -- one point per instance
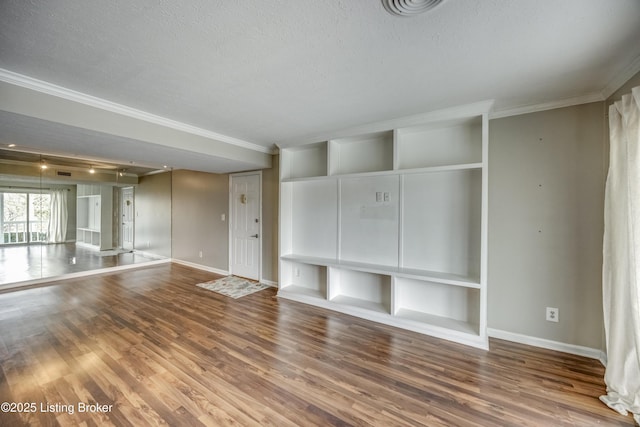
(217, 271)
(592, 353)
(200, 267)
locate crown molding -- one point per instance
(560, 103)
(92, 101)
(613, 85)
(621, 78)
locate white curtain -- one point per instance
(621, 252)
(58, 216)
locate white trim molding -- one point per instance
(200, 267)
(103, 104)
(591, 353)
(621, 78)
(551, 105)
(218, 271)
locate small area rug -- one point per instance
(234, 287)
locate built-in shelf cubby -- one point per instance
(304, 279)
(446, 143)
(453, 308)
(391, 225)
(358, 289)
(304, 162)
(365, 153)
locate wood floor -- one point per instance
(162, 351)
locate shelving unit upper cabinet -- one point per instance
(82, 212)
(315, 223)
(304, 162)
(441, 222)
(444, 143)
(365, 153)
(94, 213)
(369, 219)
(309, 225)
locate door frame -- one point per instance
(230, 219)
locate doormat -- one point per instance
(234, 287)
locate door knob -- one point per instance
(255, 235)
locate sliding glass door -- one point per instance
(25, 217)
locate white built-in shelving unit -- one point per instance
(391, 225)
(94, 208)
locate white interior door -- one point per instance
(245, 226)
(128, 218)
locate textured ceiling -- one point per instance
(270, 72)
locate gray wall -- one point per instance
(72, 199)
(153, 214)
(546, 202)
(199, 200)
(270, 204)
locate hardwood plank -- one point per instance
(165, 352)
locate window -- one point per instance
(25, 217)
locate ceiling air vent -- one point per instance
(409, 7)
(62, 173)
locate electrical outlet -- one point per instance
(553, 314)
(200, 254)
(223, 217)
(378, 196)
(386, 196)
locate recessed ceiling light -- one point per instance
(11, 145)
(92, 170)
(409, 7)
(43, 165)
